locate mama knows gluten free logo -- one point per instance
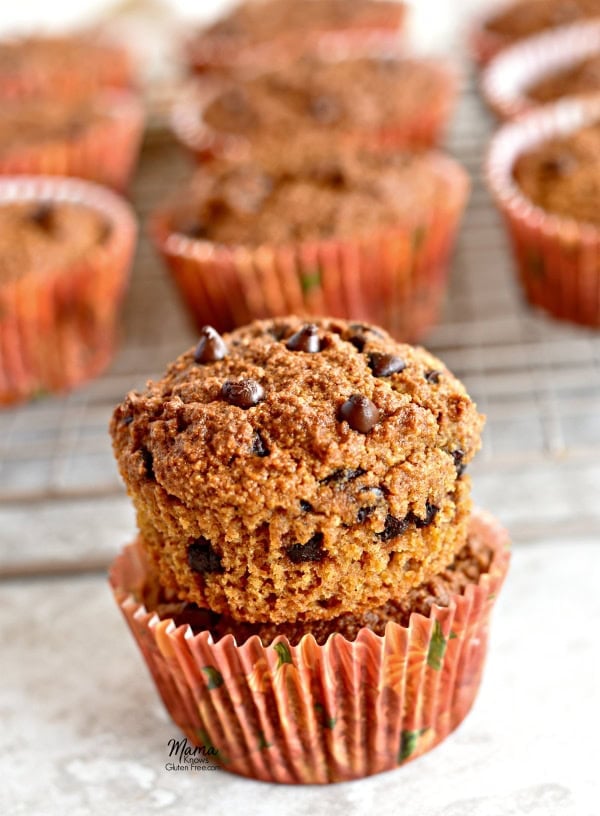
(186, 757)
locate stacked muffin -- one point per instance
(304, 482)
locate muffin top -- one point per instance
(305, 194)
(257, 22)
(527, 17)
(296, 470)
(43, 236)
(352, 95)
(582, 78)
(562, 176)
(34, 121)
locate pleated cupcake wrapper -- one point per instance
(58, 328)
(105, 151)
(508, 77)
(423, 130)
(558, 258)
(395, 277)
(317, 714)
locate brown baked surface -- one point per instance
(350, 96)
(470, 563)
(562, 176)
(256, 22)
(309, 193)
(582, 78)
(528, 17)
(330, 490)
(42, 236)
(37, 121)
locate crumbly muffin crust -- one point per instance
(562, 176)
(299, 471)
(527, 17)
(36, 121)
(582, 78)
(41, 236)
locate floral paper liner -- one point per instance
(315, 714)
(558, 258)
(393, 277)
(506, 79)
(58, 329)
(104, 151)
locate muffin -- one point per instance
(268, 33)
(96, 138)
(308, 587)
(346, 233)
(65, 251)
(544, 172)
(384, 102)
(61, 66)
(515, 21)
(544, 69)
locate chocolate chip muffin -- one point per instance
(299, 471)
(527, 17)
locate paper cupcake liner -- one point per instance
(112, 69)
(508, 77)
(58, 329)
(422, 130)
(315, 714)
(105, 151)
(558, 258)
(395, 277)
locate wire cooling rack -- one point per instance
(537, 380)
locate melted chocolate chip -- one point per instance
(211, 346)
(343, 475)
(358, 341)
(305, 339)
(458, 456)
(431, 512)
(128, 419)
(43, 216)
(329, 174)
(559, 165)
(393, 527)
(364, 328)
(202, 558)
(432, 376)
(364, 513)
(311, 551)
(384, 365)
(324, 109)
(360, 413)
(244, 393)
(259, 447)
(194, 229)
(148, 460)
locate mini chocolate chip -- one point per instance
(364, 328)
(364, 513)
(325, 109)
(431, 512)
(360, 413)
(202, 558)
(194, 229)
(343, 475)
(393, 527)
(148, 460)
(358, 341)
(311, 551)
(559, 165)
(306, 506)
(259, 447)
(128, 419)
(211, 346)
(432, 376)
(105, 233)
(384, 365)
(305, 339)
(244, 393)
(43, 216)
(458, 456)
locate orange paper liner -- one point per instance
(315, 714)
(57, 329)
(219, 55)
(104, 151)
(508, 77)
(558, 258)
(395, 278)
(425, 129)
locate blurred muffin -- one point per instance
(61, 66)
(383, 102)
(544, 170)
(65, 250)
(516, 20)
(313, 230)
(268, 33)
(96, 138)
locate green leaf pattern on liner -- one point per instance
(283, 653)
(204, 740)
(408, 743)
(215, 678)
(262, 741)
(437, 647)
(310, 279)
(323, 718)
